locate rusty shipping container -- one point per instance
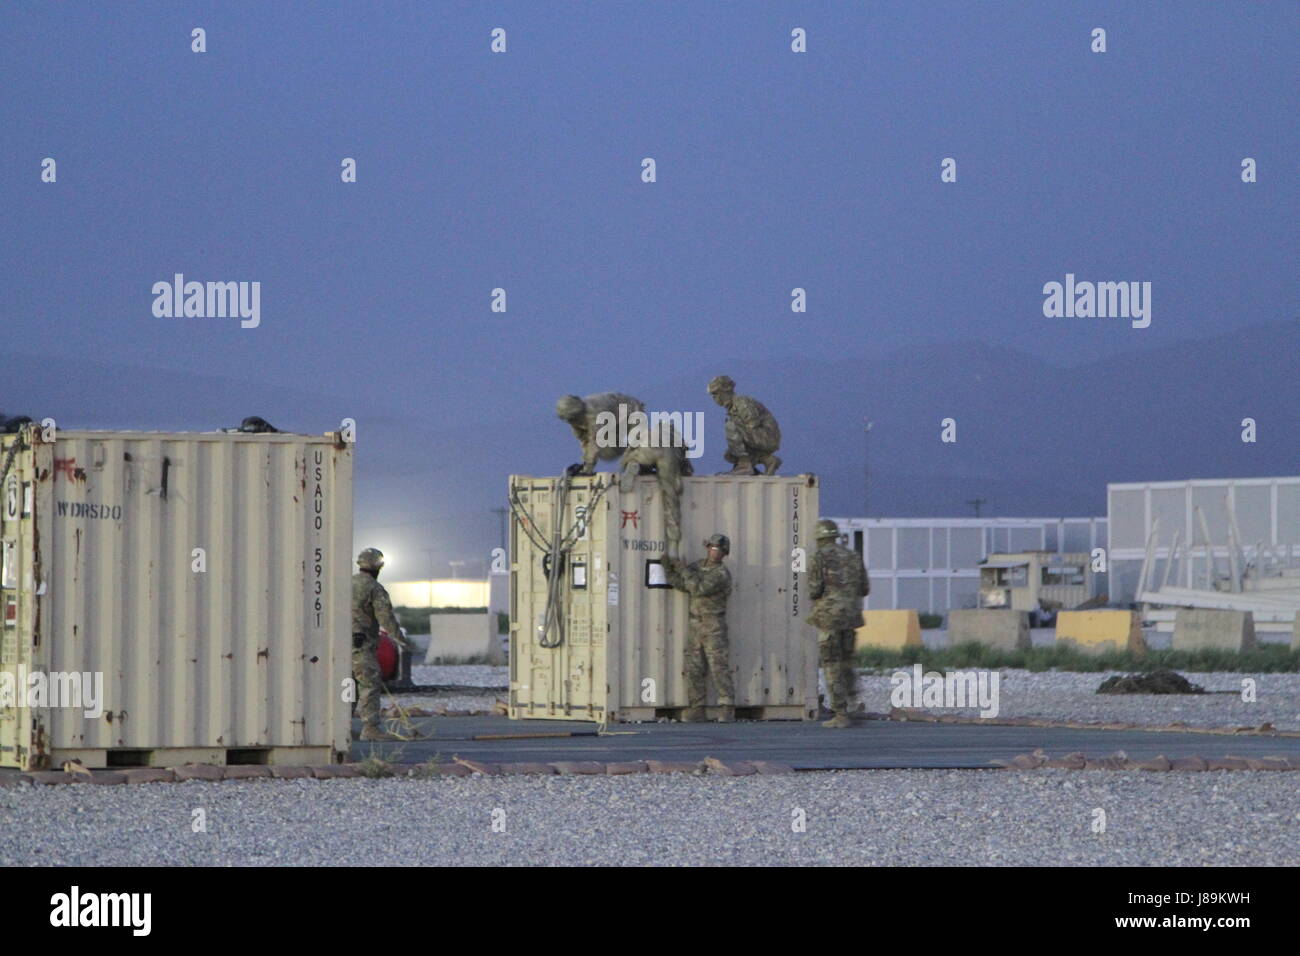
(200, 580)
(613, 647)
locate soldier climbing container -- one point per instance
(174, 598)
(596, 632)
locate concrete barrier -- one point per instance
(891, 629)
(1295, 634)
(1203, 628)
(1096, 632)
(1004, 629)
(458, 636)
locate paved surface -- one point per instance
(875, 744)
(1061, 696)
(869, 745)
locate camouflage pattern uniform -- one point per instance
(666, 455)
(753, 436)
(581, 414)
(707, 652)
(371, 609)
(837, 581)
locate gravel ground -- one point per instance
(1046, 637)
(465, 675)
(484, 701)
(898, 817)
(468, 675)
(1072, 696)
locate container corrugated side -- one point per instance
(206, 577)
(624, 654)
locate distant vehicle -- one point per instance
(1039, 582)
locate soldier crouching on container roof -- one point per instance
(837, 582)
(371, 609)
(753, 436)
(708, 582)
(584, 417)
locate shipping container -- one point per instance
(200, 580)
(613, 647)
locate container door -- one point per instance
(557, 657)
(19, 724)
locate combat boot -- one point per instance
(743, 466)
(770, 464)
(726, 714)
(692, 715)
(377, 733)
(838, 722)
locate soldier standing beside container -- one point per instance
(371, 609)
(837, 582)
(753, 436)
(708, 582)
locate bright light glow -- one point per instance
(445, 593)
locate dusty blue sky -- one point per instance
(775, 170)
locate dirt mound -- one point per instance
(1163, 681)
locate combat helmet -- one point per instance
(826, 528)
(570, 407)
(723, 383)
(720, 541)
(370, 559)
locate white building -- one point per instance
(932, 564)
(1267, 513)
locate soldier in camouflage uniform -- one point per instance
(663, 452)
(837, 581)
(753, 435)
(371, 609)
(708, 583)
(581, 414)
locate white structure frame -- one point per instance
(1160, 540)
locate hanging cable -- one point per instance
(556, 551)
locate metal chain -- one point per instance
(553, 618)
(580, 525)
(529, 523)
(556, 549)
(526, 520)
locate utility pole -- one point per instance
(866, 467)
(429, 553)
(976, 503)
(501, 513)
